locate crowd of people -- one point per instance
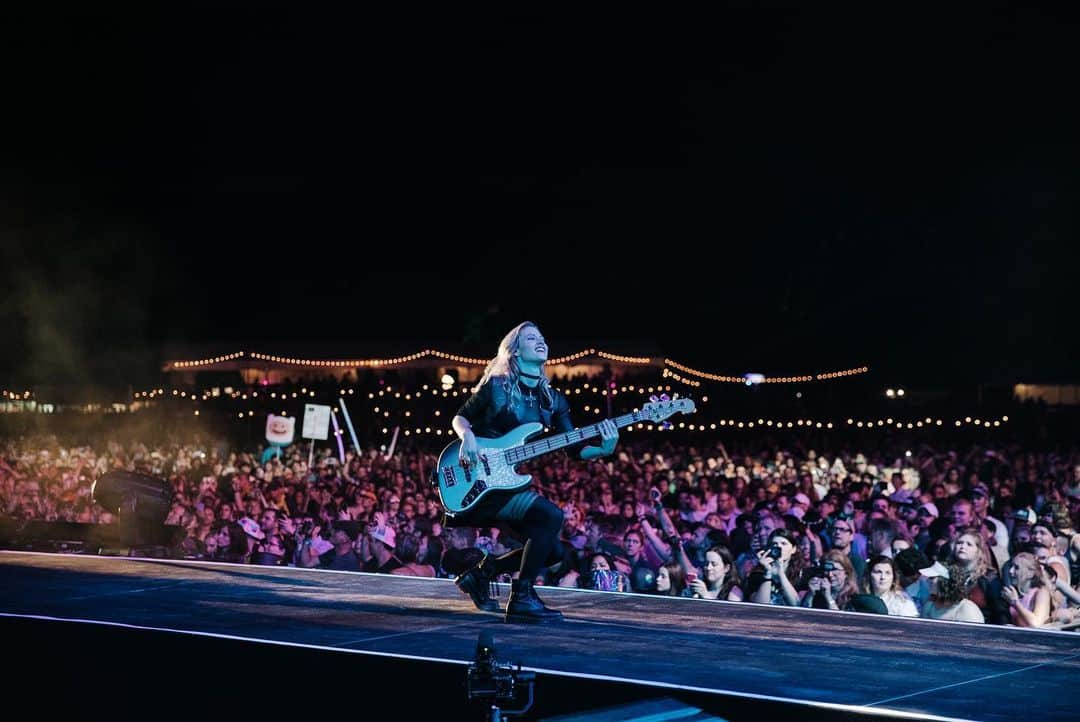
(980, 534)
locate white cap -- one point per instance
(937, 569)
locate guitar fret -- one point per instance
(457, 474)
(519, 454)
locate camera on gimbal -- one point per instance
(496, 682)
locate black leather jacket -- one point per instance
(491, 413)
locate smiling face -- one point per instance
(1042, 536)
(531, 346)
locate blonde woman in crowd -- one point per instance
(970, 553)
(1027, 590)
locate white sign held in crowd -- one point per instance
(316, 421)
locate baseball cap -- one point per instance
(911, 561)
(1026, 515)
(937, 569)
(930, 508)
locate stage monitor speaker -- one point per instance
(140, 501)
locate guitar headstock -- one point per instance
(661, 408)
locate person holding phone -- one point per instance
(779, 568)
(720, 579)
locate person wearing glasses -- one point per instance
(843, 534)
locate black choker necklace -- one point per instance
(528, 376)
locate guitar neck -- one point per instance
(553, 443)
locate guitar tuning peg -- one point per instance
(653, 398)
(665, 397)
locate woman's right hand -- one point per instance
(699, 590)
(470, 451)
(771, 565)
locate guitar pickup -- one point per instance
(484, 461)
(474, 492)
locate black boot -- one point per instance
(525, 606)
(477, 584)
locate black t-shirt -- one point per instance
(372, 565)
(348, 561)
(491, 414)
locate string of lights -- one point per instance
(772, 423)
(396, 361)
(401, 395)
(207, 361)
(229, 392)
(473, 361)
(751, 379)
(887, 423)
(668, 373)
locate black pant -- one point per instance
(539, 531)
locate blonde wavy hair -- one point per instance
(983, 566)
(505, 364)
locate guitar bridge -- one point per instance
(448, 476)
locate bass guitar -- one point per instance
(462, 485)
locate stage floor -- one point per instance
(854, 661)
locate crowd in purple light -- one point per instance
(983, 533)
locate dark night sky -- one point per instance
(809, 191)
